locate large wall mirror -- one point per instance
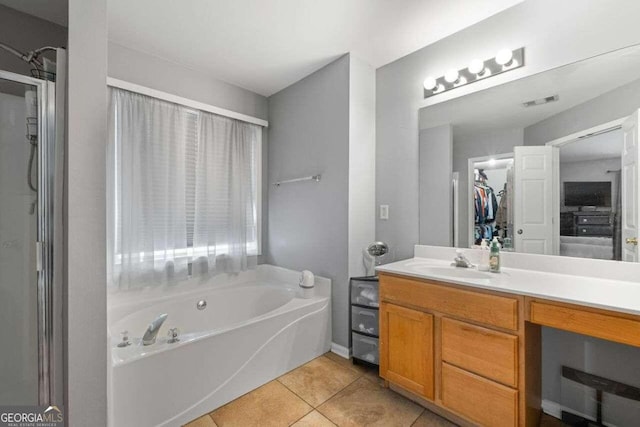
(548, 163)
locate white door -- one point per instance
(630, 211)
(533, 192)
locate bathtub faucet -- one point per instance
(152, 331)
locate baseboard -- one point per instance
(340, 350)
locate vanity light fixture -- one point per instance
(505, 60)
(452, 76)
(477, 67)
(431, 84)
(504, 57)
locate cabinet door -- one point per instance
(406, 348)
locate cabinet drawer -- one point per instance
(593, 219)
(364, 320)
(365, 348)
(493, 310)
(364, 293)
(582, 321)
(594, 230)
(478, 399)
(480, 350)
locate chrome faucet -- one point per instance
(461, 261)
(152, 331)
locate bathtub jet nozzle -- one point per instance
(152, 331)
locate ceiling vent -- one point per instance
(541, 101)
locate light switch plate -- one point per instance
(384, 211)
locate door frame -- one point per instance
(470, 193)
(560, 142)
(44, 239)
(601, 128)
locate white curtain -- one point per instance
(225, 235)
(183, 189)
(147, 228)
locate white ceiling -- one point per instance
(575, 84)
(266, 45)
(604, 146)
(55, 11)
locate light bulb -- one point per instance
(492, 162)
(451, 76)
(476, 67)
(430, 84)
(504, 57)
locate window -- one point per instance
(184, 188)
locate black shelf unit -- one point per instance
(364, 311)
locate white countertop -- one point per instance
(616, 295)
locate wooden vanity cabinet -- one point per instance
(460, 349)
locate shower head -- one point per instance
(32, 58)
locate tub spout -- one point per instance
(152, 331)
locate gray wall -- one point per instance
(612, 105)
(436, 221)
(590, 170)
(576, 29)
(308, 221)
(86, 298)
(491, 143)
(26, 33)
(157, 73)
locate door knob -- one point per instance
(632, 241)
(520, 231)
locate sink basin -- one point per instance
(415, 264)
(455, 273)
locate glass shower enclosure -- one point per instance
(29, 314)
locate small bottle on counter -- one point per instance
(494, 256)
(484, 256)
(507, 245)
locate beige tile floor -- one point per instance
(327, 391)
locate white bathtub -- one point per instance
(254, 329)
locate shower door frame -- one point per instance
(44, 235)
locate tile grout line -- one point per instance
(210, 416)
(342, 389)
(361, 375)
(312, 409)
(419, 415)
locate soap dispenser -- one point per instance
(494, 256)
